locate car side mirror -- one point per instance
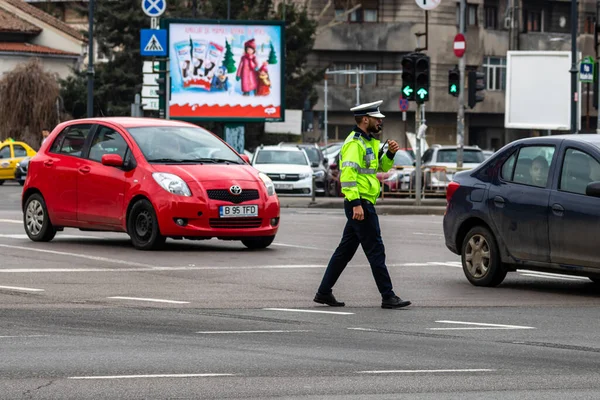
(112, 160)
(325, 161)
(414, 163)
(593, 189)
(245, 158)
(314, 165)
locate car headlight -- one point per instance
(18, 165)
(172, 183)
(319, 174)
(268, 183)
(304, 175)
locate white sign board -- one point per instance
(538, 90)
(150, 104)
(428, 4)
(291, 126)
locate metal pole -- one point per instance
(587, 118)
(325, 111)
(357, 87)
(460, 119)
(418, 173)
(167, 89)
(195, 6)
(574, 99)
(228, 9)
(90, 69)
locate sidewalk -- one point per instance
(391, 206)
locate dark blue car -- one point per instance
(535, 205)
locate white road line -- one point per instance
(412, 371)
(489, 326)
(24, 236)
(153, 300)
(297, 246)
(428, 234)
(21, 336)
(446, 264)
(78, 255)
(364, 329)
(555, 276)
(22, 289)
(263, 331)
(149, 376)
(11, 221)
(308, 311)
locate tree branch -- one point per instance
(335, 22)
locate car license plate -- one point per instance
(284, 186)
(238, 211)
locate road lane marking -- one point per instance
(308, 311)
(21, 336)
(262, 331)
(364, 329)
(11, 221)
(24, 236)
(77, 255)
(149, 376)
(428, 234)
(22, 289)
(298, 246)
(152, 300)
(553, 276)
(478, 325)
(447, 264)
(412, 371)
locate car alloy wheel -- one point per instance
(36, 220)
(477, 256)
(481, 260)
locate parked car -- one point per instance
(319, 164)
(397, 178)
(288, 167)
(533, 205)
(150, 178)
(11, 153)
(21, 170)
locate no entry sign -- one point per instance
(460, 45)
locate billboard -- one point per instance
(226, 71)
(538, 90)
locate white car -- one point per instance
(288, 167)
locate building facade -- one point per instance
(377, 34)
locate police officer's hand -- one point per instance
(393, 146)
(358, 213)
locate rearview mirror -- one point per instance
(593, 189)
(112, 160)
(314, 165)
(245, 158)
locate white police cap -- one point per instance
(369, 109)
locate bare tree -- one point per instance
(349, 7)
(28, 102)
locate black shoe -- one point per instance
(394, 302)
(328, 299)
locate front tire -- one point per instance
(142, 226)
(258, 242)
(36, 220)
(481, 258)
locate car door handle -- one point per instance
(85, 170)
(557, 209)
(499, 201)
(48, 163)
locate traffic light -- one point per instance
(422, 81)
(595, 87)
(162, 85)
(408, 77)
(476, 85)
(454, 82)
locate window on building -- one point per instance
(547, 16)
(368, 12)
(350, 79)
(590, 24)
(495, 73)
(470, 15)
(490, 9)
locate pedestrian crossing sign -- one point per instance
(153, 42)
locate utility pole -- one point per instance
(460, 120)
(90, 68)
(574, 99)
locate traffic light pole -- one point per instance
(460, 120)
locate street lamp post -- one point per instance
(574, 99)
(90, 68)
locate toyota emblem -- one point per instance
(235, 190)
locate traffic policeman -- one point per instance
(360, 160)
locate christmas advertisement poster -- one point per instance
(226, 71)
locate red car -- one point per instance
(150, 178)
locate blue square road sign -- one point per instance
(153, 42)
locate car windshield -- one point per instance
(313, 154)
(281, 157)
(402, 158)
(178, 144)
(469, 156)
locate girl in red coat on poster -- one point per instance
(247, 68)
(264, 83)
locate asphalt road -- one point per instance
(87, 316)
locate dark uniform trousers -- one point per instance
(368, 234)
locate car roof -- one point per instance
(133, 122)
(447, 146)
(282, 148)
(591, 138)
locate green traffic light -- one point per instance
(453, 88)
(407, 90)
(422, 93)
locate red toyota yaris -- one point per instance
(150, 178)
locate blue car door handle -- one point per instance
(499, 201)
(557, 209)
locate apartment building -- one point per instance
(379, 33)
